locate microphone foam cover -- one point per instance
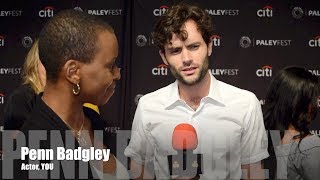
(184, 137)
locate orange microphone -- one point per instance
(184, 137)
(185, 163)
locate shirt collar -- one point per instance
(214, 93)
(173, 97)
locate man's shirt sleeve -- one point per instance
(139, 149)
(254, 141)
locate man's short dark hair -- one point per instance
(70, 34)
(175, 17)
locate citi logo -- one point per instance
(265, 71)
(1, 98)
(216, 40)
(266, 11)
(159, 12)
(46, 12)
(160, 70)
(1, 41)
(315, 42)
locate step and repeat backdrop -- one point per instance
(253, 40)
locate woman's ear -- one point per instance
(72, 71)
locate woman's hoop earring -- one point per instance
(76, 89)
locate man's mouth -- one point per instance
(189, 70)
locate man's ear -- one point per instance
(210, 48)
(72, 71)
(163, 57)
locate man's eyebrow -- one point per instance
(173, 47)
(193, 43)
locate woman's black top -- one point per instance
(18, 106)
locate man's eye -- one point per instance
(194, 47)
(175, 51)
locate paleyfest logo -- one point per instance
(27, 41)
(298, 12)
(246, 42)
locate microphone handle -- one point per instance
(196, 163)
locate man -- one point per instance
(228, 120)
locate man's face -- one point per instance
(189, 59)
(99, 77)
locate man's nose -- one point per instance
(186, 57)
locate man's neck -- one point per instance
(192, 95)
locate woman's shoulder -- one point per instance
(18, 106)
(310, 142)
(22, 93)
(308, 146)
(97, 122)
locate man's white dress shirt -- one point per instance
(228, 122)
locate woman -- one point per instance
(78, 51)
(20, 102)
(291, 105)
